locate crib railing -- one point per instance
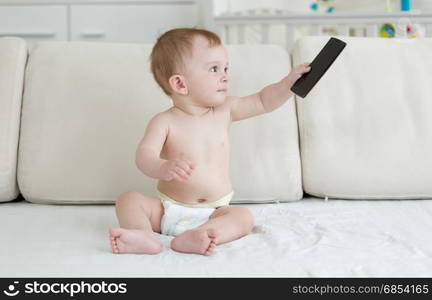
(233, 28)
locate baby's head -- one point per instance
(191, 62)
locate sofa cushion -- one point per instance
(86, 106)
(13, 57)
(265, 159)
(366, 127)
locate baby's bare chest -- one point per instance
(205, 141)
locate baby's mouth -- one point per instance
(222, 90)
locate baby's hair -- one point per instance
(170, 49)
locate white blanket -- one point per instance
(309, 238)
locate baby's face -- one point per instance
(206, 73)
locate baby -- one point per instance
(186, 148)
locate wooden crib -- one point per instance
(260, 28)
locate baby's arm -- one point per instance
(148, 158)
(269, 98)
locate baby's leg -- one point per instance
(226, 224)
(139, 216)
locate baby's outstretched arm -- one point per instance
(274, 95)
(269, 98)
(148, 158)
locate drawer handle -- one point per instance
(93, 34)
(29, 34)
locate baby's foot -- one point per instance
(133, 241)
(200, 241)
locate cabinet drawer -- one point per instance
(129, 23)
(34, 23)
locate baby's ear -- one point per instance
(178, 84)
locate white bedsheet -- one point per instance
(309, 238)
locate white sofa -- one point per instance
(340, 183)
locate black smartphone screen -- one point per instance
(319, 66)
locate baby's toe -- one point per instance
(210, 249)
(114, 246)
(213, 235)
(209, 252)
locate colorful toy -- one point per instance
(404, 28)
(410, 31)
(405, 5)
(328, 5)
(387, 30)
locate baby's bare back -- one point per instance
(204, 142)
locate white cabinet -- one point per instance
(133, 21)
(34, 23)
(129, 23)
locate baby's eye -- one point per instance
(214, 69)
(226, 69)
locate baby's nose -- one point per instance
(224, 78)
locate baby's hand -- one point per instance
(297, 72)
(178, 169)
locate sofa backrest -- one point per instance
(86, 106)
(13, 56)
(366, 127)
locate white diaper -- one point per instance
(179, 217)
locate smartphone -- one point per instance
(319, 66)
